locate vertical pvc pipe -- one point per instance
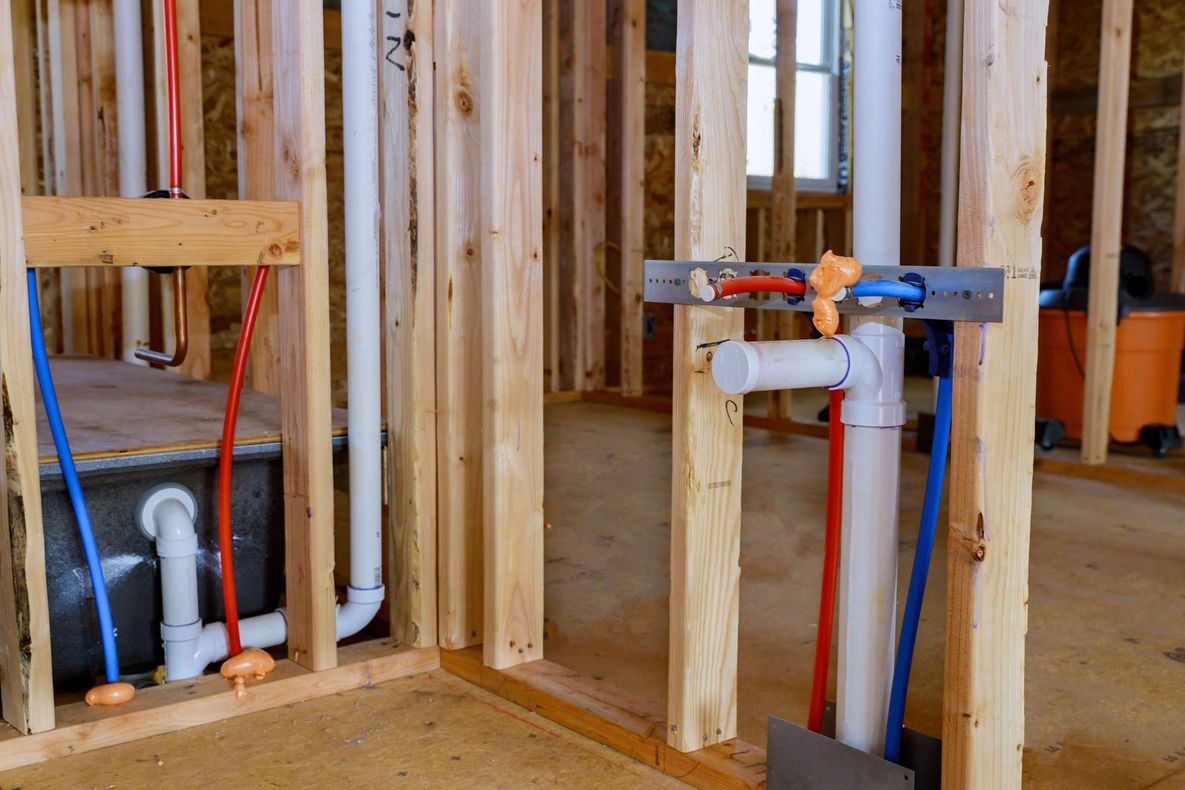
(360, 120)
(876, 138)
(868, 557)
(133, 165)
(868, 552)
(952, 102)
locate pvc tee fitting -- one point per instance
(867, 363)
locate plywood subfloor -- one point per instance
(1106, 649)
(115, 408)
(431, 730)
(1124, 460)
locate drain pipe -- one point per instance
(869, 364)
(868, 571)
(133, 166)
(868, 557)
(360, 125)
(166, 515)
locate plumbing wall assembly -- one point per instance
(281, 436)
(867, 365)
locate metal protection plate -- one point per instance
(952, 294)
(799, 759)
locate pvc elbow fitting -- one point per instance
(361, 605)
(166, 514)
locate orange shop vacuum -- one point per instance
(1148, 345)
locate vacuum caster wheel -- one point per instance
(1049, 432)
(1161, 438)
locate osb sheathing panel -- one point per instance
(1158, 50)
(218, 91)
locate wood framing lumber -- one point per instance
(24, 40)
(1169, 480)
(610, 718)
(67, 143)
(49, 281)
(44, 84)
(1105, 228)
(88, 161)
(106, 142)
(87, 306)
(135, 232)
(409, 256)
(210, 698)
(1178, 272)
(711, 65)
(88, 284)
(103, 284)
(582, 202)
(26, 675)
(784, 193)
(459, 102)
(1001, 176)
(298, 70)
(626, 210)
(193, 154)
(589, 197)
(217, 21)
(256, 168)
(512, 328)
(552, 158)
(63, 80)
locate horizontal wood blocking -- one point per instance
(608, 717)
(210, 698)
(804, 201)
(1146, 93)
(71, 231)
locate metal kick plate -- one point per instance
(797, 759)
(952, 294)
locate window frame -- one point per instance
(831, 66)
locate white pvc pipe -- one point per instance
(876, 137)
(363, 327)
(189, 646)
(166, 514)
(740, 367)
(952, 102)
(873, 417)
(129, 94)
(868, 555)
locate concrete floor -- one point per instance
(1105, 670)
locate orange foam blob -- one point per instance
(111, 694)
(251, 663)
(830, 277)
